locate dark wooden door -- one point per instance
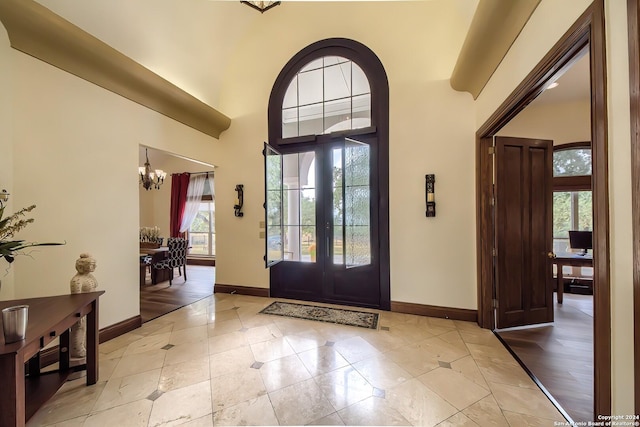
(345, 266)
(524, 241)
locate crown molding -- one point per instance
(495, 26)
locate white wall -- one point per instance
(431, 131)
(547, 24)
(76, 157)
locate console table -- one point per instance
(49, 318)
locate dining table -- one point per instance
(157, 255)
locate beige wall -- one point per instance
(548, 23)
(431, 131)
(76, 156)
(6, 150)
(620, 207)
(155, 204)
(146, 201)
(561, 123)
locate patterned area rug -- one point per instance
(323, 314)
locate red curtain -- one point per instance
(179, 185)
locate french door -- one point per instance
(322, 245)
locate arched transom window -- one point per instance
(328, 94)
(574, 160)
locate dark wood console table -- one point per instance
(49, 318)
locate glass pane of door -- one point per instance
(299, 203)
(357, 201)
(351, 204)
(273, 205)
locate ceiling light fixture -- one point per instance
(150, 179)
(552, 85)
(262, 6)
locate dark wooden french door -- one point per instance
(523, 224)
(332, 254)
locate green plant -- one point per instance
(9, 226)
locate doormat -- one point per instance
(340, 316)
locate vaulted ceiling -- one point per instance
(191, 42)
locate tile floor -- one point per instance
(219, 362)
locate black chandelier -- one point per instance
(261, 6)
(150, 179)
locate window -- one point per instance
(575, 161)
(572, 202)
(327, 94)
(202, 234)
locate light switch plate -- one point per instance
(262, 234)
(262, 224)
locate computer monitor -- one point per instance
(581, 240)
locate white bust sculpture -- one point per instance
(82, 282)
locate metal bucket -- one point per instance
(14, 323)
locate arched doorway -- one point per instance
(328, 117)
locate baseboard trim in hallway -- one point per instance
(220, 288)
(435, 311)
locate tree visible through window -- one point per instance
(572, 162)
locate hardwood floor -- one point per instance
(159, 299)
(560, 356)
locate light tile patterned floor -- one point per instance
(219, 362)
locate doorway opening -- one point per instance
(558, 353)
(587, 33)
(192, 281)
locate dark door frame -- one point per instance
(587, 32)
(633, 16)
(374, 69)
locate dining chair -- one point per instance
(176, 257)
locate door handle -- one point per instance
(551, 255)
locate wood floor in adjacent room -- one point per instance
(561, 356)
(157, 300)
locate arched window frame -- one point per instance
(572, 183)
(349, 49)
(371, 65)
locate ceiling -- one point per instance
(191, 42)
(187, 42)
(573, 86)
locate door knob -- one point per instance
(551, 255)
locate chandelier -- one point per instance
(150, 179)
(262, 6)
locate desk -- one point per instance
(569, 259)
(157, 255)
(49, 317)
